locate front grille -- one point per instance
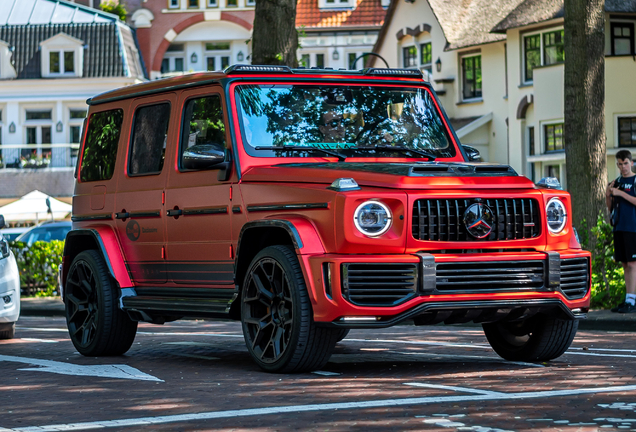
(575, 277)
(490, 276)
(443, 219)
(373, 284)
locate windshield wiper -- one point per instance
(303, 148)
(386, 148)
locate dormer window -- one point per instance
(335, 4)
(62, 56)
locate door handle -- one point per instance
(122, 215)
(174, 212)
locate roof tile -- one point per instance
(367, 13)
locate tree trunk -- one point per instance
(584, 122)
(275, 39)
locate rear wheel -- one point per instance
(277, 318)
(7, 330)
(539, 338)
(95, 323)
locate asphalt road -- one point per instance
(192, 375)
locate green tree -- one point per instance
(114, 7)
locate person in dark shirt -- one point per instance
(620, 196)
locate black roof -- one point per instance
(110, 48)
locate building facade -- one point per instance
(498, 69)
(181, 36)
(54, 55)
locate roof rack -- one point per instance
(281, 69)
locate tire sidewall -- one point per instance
(298, 293)
(102, 283)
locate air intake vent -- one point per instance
(443, 220)
(575, 277)
(490, 276)
(372, 284)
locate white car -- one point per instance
(9, 289)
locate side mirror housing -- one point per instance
(472, 153)
(203, 156)
(549, 183)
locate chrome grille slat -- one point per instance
(442, 219)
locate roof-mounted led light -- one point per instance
(257, 69)
(394, 72)
(344, 184)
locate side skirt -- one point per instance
(162, 304)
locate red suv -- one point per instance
(305, 203)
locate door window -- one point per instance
(100, 150)
(203, 125)
(148, 147)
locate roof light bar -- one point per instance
(393, 72)
(257, 69)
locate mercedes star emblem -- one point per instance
(479, 220)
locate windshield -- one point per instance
(358, 121)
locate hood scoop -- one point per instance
(464, 169)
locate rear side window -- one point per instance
(100, 150)
(148, 146)
(203, 124)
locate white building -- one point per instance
(54, 55)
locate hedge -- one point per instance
(38, 266)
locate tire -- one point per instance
(342, 333)
(277, 317)
(95, 323)
(539, 338)
(7, 331)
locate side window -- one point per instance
(100, 150)
(148, 146)
(203, 130)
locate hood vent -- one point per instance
(462, 169)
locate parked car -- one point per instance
(11, 234)
(46, 231)
(9, 289)
(305, 203)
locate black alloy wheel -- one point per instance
(96, 325)
(277, 318)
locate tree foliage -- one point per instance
(38, 266)
(114, 7)
(100, 151)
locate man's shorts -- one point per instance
(624, 246)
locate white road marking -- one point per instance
(495, 359)
(43, 329)
(326, 373)
(189, 334)
(444, 344)
(599, 355)
(454, 388)
(103, 371)
(322, 407)
(38, 340)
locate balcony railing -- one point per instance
(37, 156)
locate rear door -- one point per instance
(140, 212)
(198, 225)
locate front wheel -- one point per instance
(539, 338)
(277, 318)
(95, 323)
(7, 330)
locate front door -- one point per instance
(140, 214)
(198, 226)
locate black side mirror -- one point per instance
(2, 222)
(472, 153)
(203, 156)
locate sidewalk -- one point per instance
(596, 319)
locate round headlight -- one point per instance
(556, 215)
(372, 218)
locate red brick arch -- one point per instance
(188, 22)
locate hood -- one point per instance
(418, 175)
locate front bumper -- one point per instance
(480, 287)
(9, 290)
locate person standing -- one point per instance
(620, 197)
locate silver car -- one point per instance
(9, 289)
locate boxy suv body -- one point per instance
(305, 203)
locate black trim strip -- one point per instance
(205, 211)
(187, 292)
(287, 207)
(81, 218)
(237, 209)
(122, 215)
(147, 214)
